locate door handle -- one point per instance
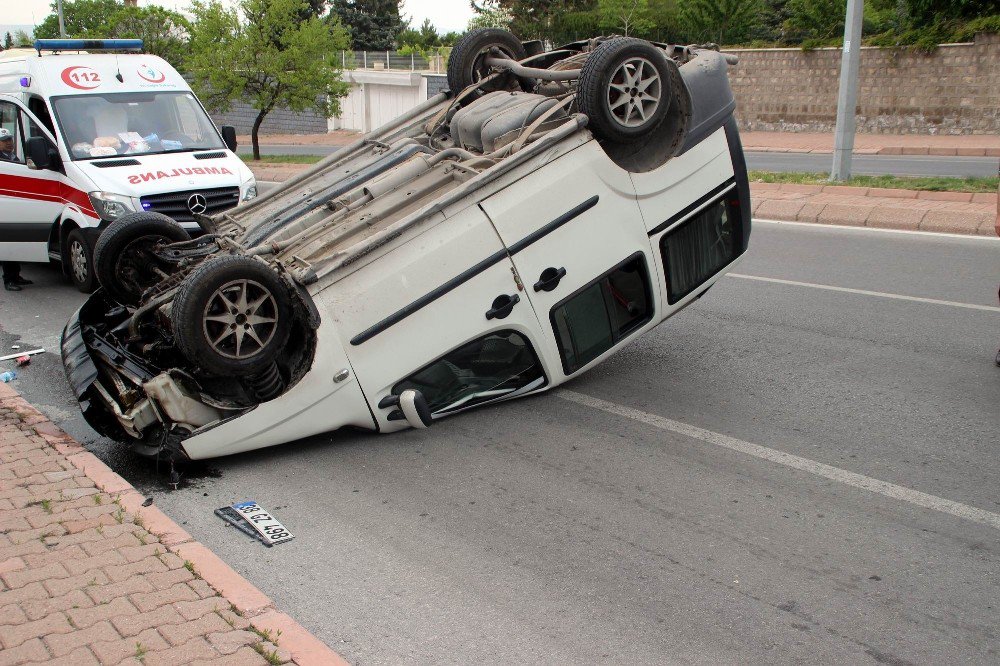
(549, 279)
(503, 305)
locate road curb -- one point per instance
(257, 608)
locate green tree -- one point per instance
(163, 32)
(490, 14)
(83, 18)
(373, 24)
(926, 12)
(8, 41)
(816, 19)
(22, 39)
(260, 52)
(722, 21)
(626, 16)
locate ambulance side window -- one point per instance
(9, 121)
(37, 106)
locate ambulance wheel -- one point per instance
(123, 257)
(78, 261)
(467, 62)
(624, 89)
(232, 316)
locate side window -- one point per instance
(38, 107)
(701, 246)
(11, 144)
(602, 314)
(494, 366)
(31, 129)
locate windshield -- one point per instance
(135, 123)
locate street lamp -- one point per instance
(62, 24)
(847, 98)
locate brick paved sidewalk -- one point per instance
(85, 580)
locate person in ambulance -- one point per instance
(95, 136)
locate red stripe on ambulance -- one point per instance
(41, 189)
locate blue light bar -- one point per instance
(88, 45)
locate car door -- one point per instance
(576, 236)
(30, 200)
(443, 313)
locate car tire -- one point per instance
(624, 89)
(78, 261)
(207, 306)
(121, 256)
(466, 64)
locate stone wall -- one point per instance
(279, 121)
(954, 90)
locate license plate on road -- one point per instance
(267, 525)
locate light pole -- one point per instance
(62, 24)
(847, 98)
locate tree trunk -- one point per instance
(253, 133)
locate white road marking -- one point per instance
(861, 481)
(865, 292)
(877, 230)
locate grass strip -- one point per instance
(977, 184)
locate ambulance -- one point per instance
(100, 131)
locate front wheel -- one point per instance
(232, 316)
(78, 261)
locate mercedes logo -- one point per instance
(197, 204)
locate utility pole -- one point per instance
(847, 98)
(62, 24)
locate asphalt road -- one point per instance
(904, 165)
(670, 522)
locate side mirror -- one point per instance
(413, 404)
(41, 153)
(229, 137)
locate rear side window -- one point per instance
(701, 246)
(602, 314)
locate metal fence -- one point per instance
(435, 61)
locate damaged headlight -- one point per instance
(111, 206)
(251, 193)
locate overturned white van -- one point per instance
(493, 243)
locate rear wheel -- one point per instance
(123, 257)
(467, 62)
(232, 316)
(624, 89)
(78, 261)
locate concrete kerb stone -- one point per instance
(304, 648)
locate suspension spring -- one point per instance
(267, 385)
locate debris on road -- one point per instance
(8, 376)
(20, 354)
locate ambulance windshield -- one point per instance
(135, 123)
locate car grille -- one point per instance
(175, 204)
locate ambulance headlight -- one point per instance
(111, 206)
(251, 193)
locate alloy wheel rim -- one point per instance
(240, 319)
(634, 92)
(78, 261)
